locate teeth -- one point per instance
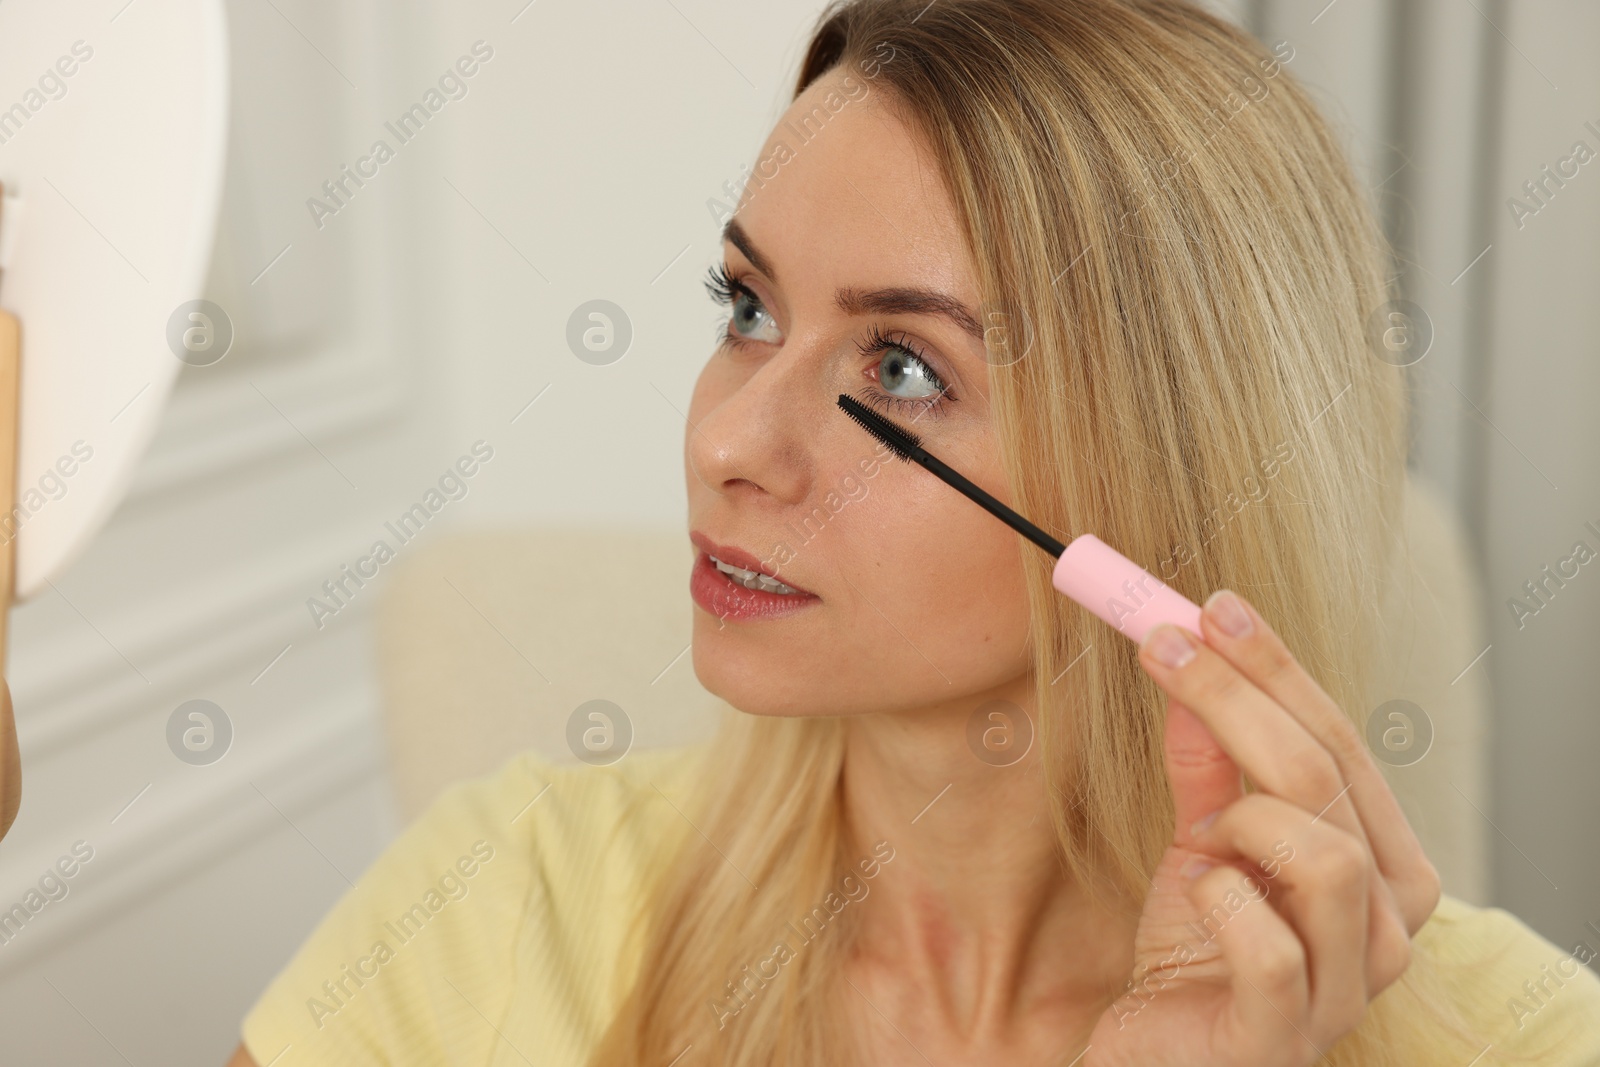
(753, 579)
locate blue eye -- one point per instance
(747, 315)
(903, 368)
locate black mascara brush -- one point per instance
(1091, 572)
(908, 446)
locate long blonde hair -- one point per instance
(1186, 267)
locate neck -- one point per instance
(976, 912)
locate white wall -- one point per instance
(1536, 448)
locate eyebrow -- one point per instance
(898, 300)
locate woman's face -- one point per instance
(916, 599)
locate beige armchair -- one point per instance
(489, 639)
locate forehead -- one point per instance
(845, 193)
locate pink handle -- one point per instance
(1128, 597)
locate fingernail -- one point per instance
(1204, 824)
(1195, 867)
(1229, 614)
(1170, 646)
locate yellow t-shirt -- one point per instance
(490, 934)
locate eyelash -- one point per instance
(726, 287)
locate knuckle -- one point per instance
(1277, 662)
(1346, 740)
(1341, 864)
(1345, 1012)
(1429, 886)
(1197, 757)
(1283, 964)
(1389, 955)
(1417, 892)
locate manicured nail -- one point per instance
(1204, 824)
(1195, 867)
(1170, 646)
(1229, 614)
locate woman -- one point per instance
(1106, 259)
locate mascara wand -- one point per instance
(908, 446)
(1091, 572)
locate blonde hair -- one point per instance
(1186, 267)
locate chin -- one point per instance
(754, 678)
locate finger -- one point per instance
(1204, 778)
(1388, 934)
(1269, 986)
(1321, 879)
(1389, 940)
(1262, 657)
(10, 762)
(1277, 754)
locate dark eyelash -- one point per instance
(876, 342)
(726, 287)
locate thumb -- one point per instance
(1204, 778)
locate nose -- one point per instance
(757, 435)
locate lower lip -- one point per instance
(727, 599)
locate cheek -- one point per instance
(952, 572)
(925, 606)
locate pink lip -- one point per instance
(723, 597)
(738, 557)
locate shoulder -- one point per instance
(1521, 994)
(503, 906)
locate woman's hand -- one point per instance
(1274, 917)
(10, 762)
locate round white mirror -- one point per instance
(113, 127)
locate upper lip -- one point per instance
(738, 557)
